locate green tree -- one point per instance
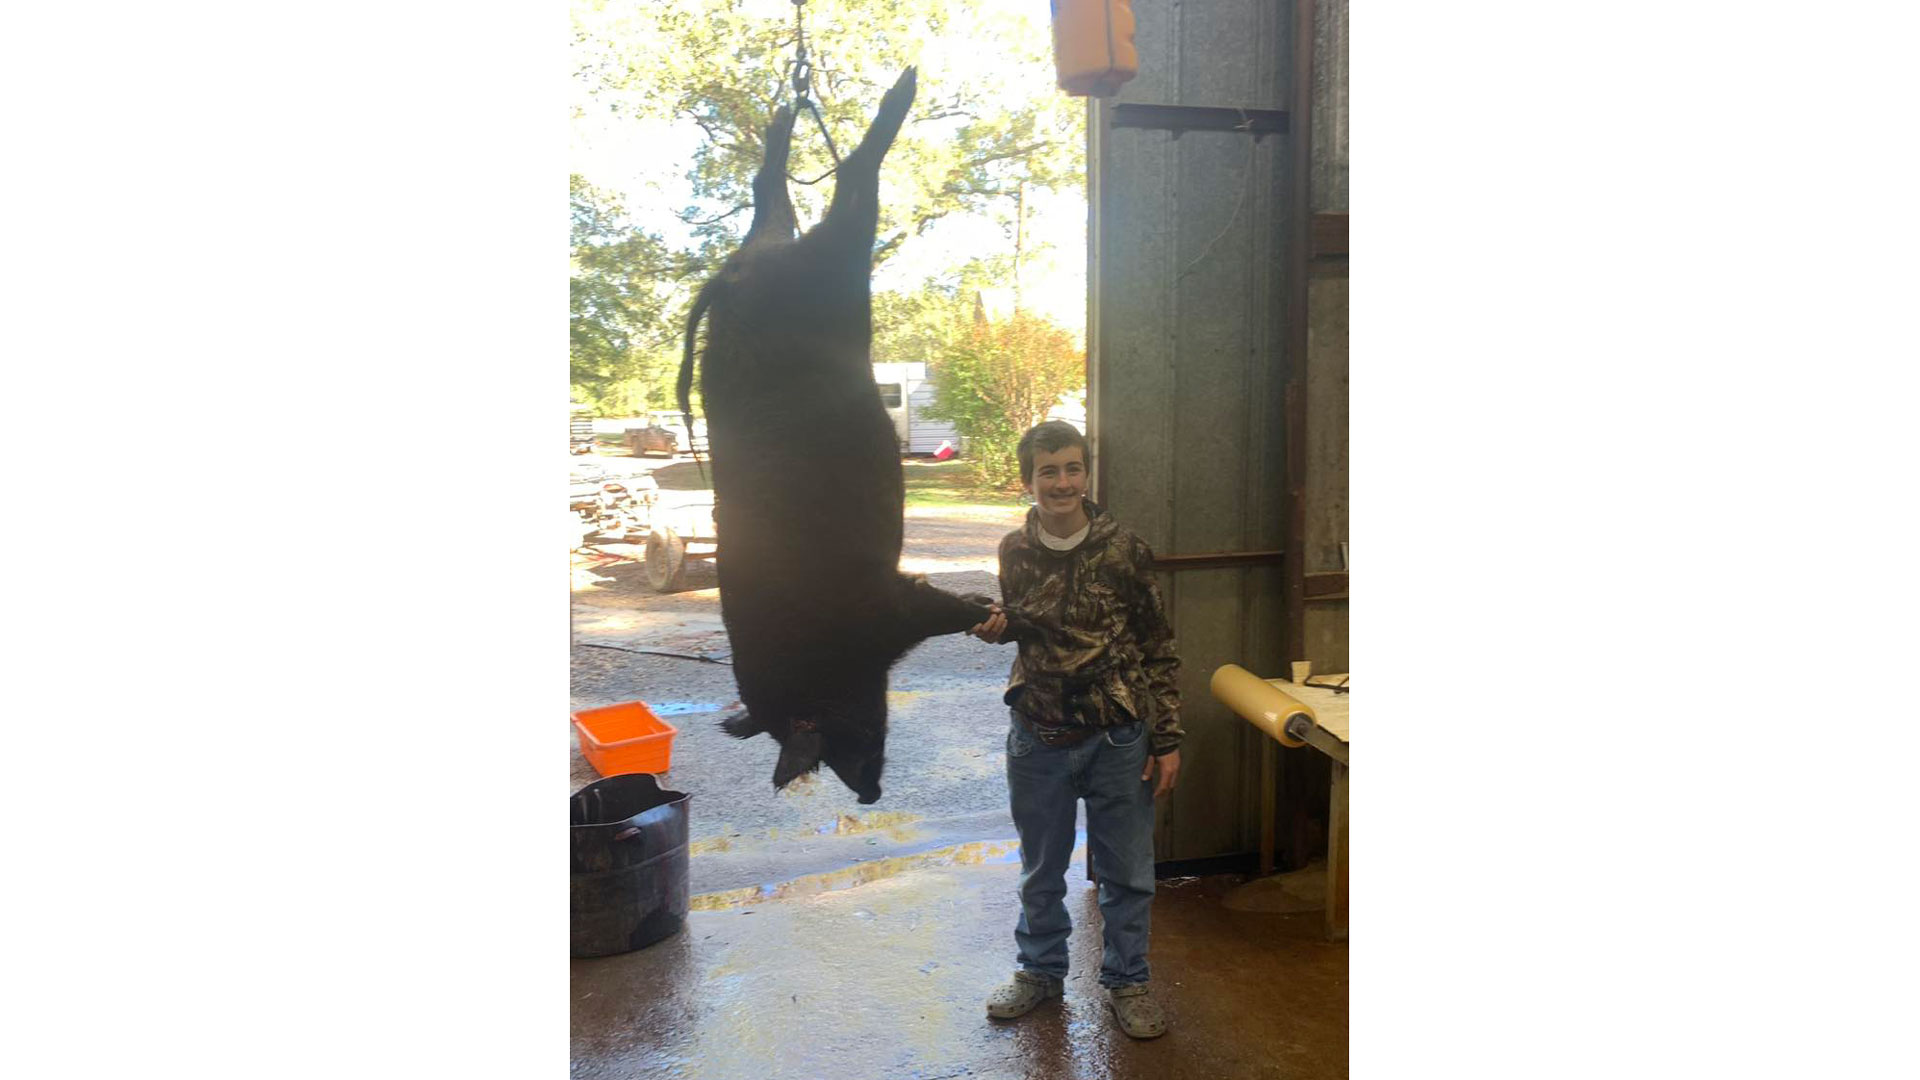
(976, 133)
(623, 282)
(917, 327)
(997, 379)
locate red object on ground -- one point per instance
(946, 451)
(625, 738)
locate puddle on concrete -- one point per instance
(681, 708)
(806, 785)
(894, 822)
(979, 852)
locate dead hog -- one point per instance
(807, 484)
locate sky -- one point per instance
(646, 161)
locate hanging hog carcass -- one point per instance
(808, 491)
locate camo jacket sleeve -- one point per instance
(1158, 658)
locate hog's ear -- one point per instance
(742, 725)
(799, 754)
(863, 778)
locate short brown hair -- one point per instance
(1052, 436)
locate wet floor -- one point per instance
(883, 973)
(831, 939)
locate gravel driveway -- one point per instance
(945, 779)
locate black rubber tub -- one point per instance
(628, 840)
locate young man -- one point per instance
(1095, 716)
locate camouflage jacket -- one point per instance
(1107, 653)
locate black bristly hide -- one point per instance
(806, 473)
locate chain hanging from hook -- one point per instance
(801, 72)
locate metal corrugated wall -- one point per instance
(1187, 343)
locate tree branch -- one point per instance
(893, 243)
(716, 138)
(714, 220)
(1016, 152)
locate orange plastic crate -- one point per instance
(625, 738)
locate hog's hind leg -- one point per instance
(854, 214)
(773, 217)
(773, 222)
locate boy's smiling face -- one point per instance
(1059, 481)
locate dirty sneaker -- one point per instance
(1139, 1015)
(1019, 997)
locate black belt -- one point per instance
(1057, 736)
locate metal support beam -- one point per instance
(1294, 396)
(1329, 585)
(1214, 560)
(1183, 118)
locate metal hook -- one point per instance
(802, 70)
(802, 75)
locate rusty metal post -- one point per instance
(1299, 239)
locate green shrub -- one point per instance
(999, 379)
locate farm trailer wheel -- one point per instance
(666, 559)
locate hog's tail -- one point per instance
(701, 301)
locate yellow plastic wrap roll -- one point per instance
(1262, 704)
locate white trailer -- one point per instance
(907, 392)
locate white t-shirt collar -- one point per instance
(1066, 543)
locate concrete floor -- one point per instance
(947, 726)
(835, 940)
(884, 974)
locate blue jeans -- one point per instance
(1045, 782)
